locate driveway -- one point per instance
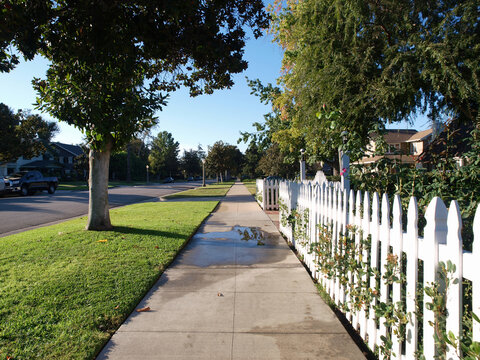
(18, 213)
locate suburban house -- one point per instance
(58, 160)
(403, 145)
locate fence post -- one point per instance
(435, 234)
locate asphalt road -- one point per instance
(19, 213)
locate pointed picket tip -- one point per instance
(436, 216)
(436, 209)
(375, 208)
(385, 210)
(366, 206)
(454, 219)
(412, 212)
(397, 211)
(359, 196)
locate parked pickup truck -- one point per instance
(28, 182)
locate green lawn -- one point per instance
(64, 290)
(251, 186)
(211, 190)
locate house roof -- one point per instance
(75, 150)
(373, 159)
(39, 164)
(421, 135)
(394, 136)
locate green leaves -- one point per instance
(23, 134)
(163, 158)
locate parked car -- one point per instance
(28, 182)
(2, 185)
(168, 180)
(190, 178)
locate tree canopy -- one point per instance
(223, 157)
(23, 134)
(374, 63)
(163, 158)
(191, 162)
(114, 62)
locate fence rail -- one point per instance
(379, 239)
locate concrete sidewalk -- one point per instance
(235, 292)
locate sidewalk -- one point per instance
(235, 292)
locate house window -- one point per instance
(70, 160)
(413, 148)
(60, 159)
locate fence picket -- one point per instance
(476, 275)
(411, 242)
(350, 234)
(454, 251)
(396, 241)
(363, 234)
(384, 250)
(374, 231)
(435, 234)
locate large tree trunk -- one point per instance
(98, 213)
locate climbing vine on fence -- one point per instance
(344, 259)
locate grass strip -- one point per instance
(251, 186)
(65, 290)
(211, 190)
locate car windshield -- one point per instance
(17, 175)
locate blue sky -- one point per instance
(192, 121)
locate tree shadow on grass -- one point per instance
(148, 232)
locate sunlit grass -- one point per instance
(65, 290)
(211, 190)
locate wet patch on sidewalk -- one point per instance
(238, 246)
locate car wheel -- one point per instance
(24, 190)
(51, 188)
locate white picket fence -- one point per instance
(441, 242)
(267, 194)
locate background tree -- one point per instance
(112, 63)
(272, 136)
(223, 158)
(273, 163)
(23, 134)
(137, 151)
(191, 162)
(163, 158)
(250, 161)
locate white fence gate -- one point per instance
(442, 242)
(267, 194)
